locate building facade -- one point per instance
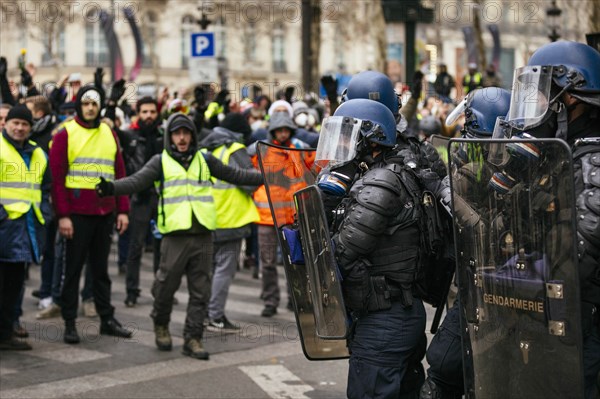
(259, 42)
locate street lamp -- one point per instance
(553, 16)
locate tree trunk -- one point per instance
(479, 36)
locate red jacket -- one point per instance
(81, 201)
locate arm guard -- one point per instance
(377, 201)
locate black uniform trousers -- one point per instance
(92, 236)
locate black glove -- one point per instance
(330, 85)
(289, 93)
(117, 91)
(98, 77)
(105, 188)
(200, 96)
(26, 79)
(222, 97)
(417, 85)
(3, 66)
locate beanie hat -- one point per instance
(20, 112)
(92, 95)
(281, 103)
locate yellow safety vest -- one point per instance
(235, 208)
(21, 186)
(476, 79)
(91, 154)
(183, 193)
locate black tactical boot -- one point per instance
(71, 336)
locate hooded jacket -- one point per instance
(152, 171)
(240, 158)
(81, 201)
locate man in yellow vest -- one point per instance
(235, 213)
(186, 218)
(24, 209)
(82, 152)
(472, 80)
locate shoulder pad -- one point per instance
(383, 177)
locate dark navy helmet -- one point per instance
(374, 86)
(576, 67)
(481, 108)
(378, 122)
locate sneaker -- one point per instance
(89, 308)
(131, 301)
(193, 348)
(269, 311)
(36, 294)
(13, 344)
(222, 324)
(162, 338)
(51, 311)
(45, 303)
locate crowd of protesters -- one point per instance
(82, 140)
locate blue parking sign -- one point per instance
(203, 44)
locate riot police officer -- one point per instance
(444, 380)
(378, 244)
(571, 111)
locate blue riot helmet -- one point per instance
(481, 108)
(349, 135)
(577, 68)
(559, 67)
(374, 86)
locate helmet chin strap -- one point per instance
(562, 120)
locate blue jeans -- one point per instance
(47, 271)
(380, 349)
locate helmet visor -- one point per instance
(337, 140)
(530, 97)
(456, 113)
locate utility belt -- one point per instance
(364, 293)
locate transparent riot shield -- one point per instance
(514, 220)
(328, 301)
(285, 171)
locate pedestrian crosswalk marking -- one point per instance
(277, 381)
(71, 355)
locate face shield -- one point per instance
(337, 140)
(340, 138)
(530, 99)
(456, 113)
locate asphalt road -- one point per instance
(263, 359)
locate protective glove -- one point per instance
(417, 85)
(200, 96)
(105, 188)
(330, 85)
(26, 79)
(289, 93)
(117, 91)
(222, 98)
(98, 77)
